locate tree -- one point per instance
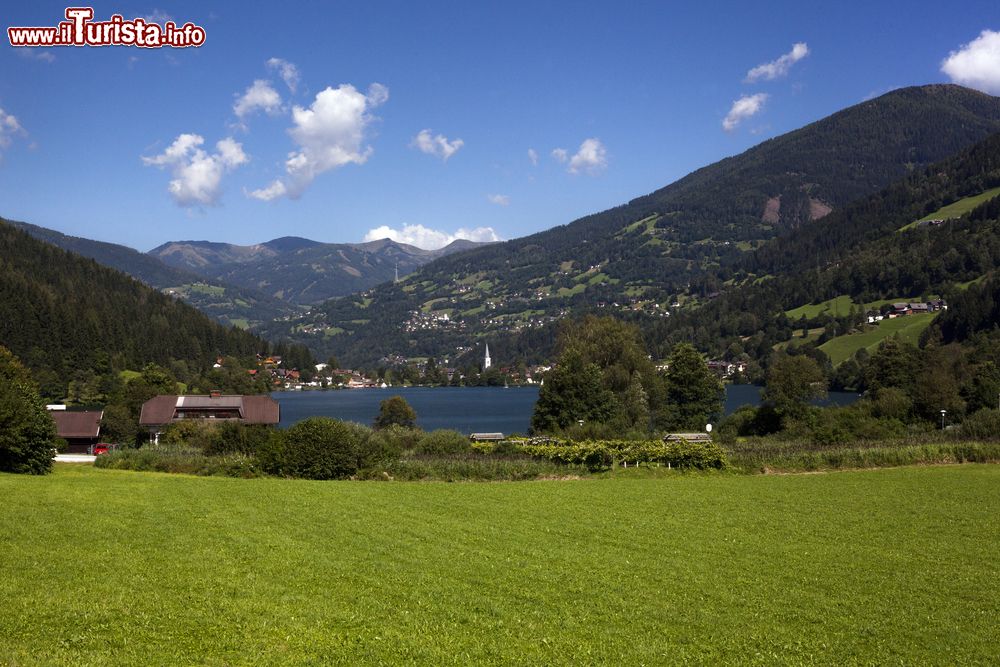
(572, 392)
(635, 405)
(396, 411)
(603, 374)
(27, 432)
(792, 382)
(118, 425)
(694, 393)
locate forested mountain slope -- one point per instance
(860, 256)
(679, 243)
(62, 313)
(222, 301)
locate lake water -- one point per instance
(465, 409)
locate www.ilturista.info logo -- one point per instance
(79, 29)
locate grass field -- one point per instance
(956, 209)
(837, 306)
(890, 566)
(908, 329)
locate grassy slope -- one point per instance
(956, 209)
(908, 328)
(837, 306)
(885, 566)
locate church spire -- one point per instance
(486, 360)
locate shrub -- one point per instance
(892, 403)
(443, 442)
(315, 448)
(982, 424)
(387, 445)
(237, 438)
(197, 433)
(179, 459)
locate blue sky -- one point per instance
(636, 96)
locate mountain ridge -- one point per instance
(301, 271)
(678, 241)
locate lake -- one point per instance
(465, 409)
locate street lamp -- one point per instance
(942, 419)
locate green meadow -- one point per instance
(104, 567)
(956, 209)
(908, 328)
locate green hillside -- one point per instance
(65, 315)
(907, 329)
(856, 256)
(956, 209)
(224, 302)
(680, 243)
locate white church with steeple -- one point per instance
(487, 362)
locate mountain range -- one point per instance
(769, 216)
(71, 319)
(252, 286)
(300, 271)
(674, 248)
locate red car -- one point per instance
(102, 448)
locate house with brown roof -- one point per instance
(82, 430)
(161, 411)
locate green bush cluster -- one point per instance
(598, 454)
(757, 456)
(180, 459)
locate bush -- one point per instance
(891, 403)
(179, 459)
(386, 445)
(197, 433)
(603, 453)
(315, 448)
(443, 442)
(238, 438)
(982, 424)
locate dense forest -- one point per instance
(71, 320)
(222, 301)
(860, 252)
(688, 240)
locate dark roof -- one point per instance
(261, 409)
(77, 424)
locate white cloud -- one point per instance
(429, 239)
(560, 155)
(9, 126)
(438, 145)
(158, 16)
(592, 157)
(329, 134)
(533, 156)
(976, 64)
(260, 95)
(778, 68)
(377, 94)
(35, 54)
(499, 200)
(273, 191)
(197, 175)
(288, 72)
(743, 108)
